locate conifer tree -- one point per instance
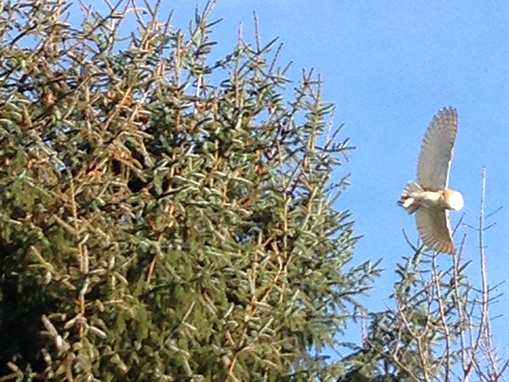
(162, 216)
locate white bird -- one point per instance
(429, 198)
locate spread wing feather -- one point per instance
(436, 150)
(434, 229)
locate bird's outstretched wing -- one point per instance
(434, 229)
(436, 150)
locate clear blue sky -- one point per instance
(389, 67)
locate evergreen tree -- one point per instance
(162, 216)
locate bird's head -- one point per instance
(453, 200)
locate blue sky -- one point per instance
(389, 67)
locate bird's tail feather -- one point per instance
(406, 200)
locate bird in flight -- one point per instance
(429, 198)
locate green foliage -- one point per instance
(162, 216)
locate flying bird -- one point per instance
(429, 198)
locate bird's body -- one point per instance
(415, 197)
(429, 198)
